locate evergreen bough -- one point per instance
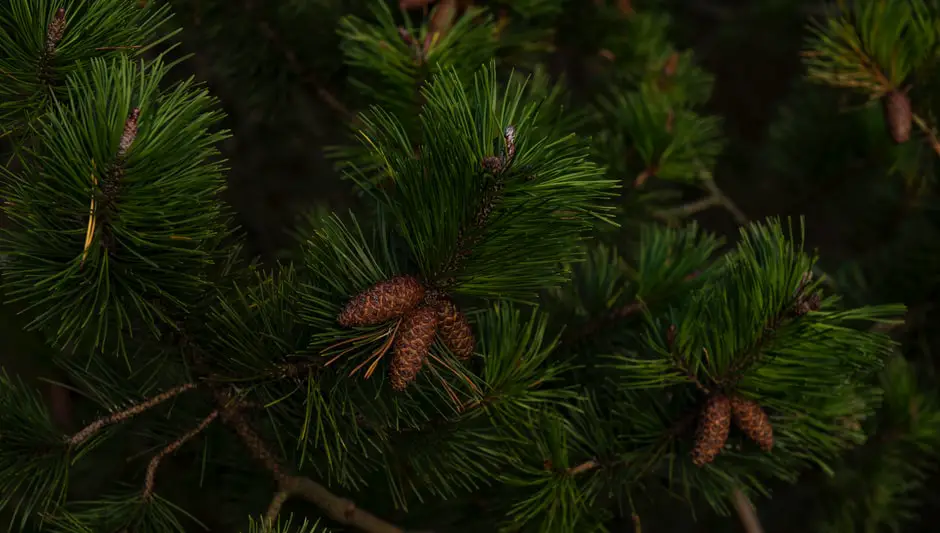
(599, 340)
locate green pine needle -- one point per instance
(873, 46)
(34, 458)
(31, 80)
(154, 235)
(127, 512)
(287, 525)
(391, 72)
(671, 144)
(550, 195)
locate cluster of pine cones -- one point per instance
(423, 316)
(715, 424)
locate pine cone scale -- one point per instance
(898, 115)
(713, 429)
(455, 330)
(382, 302)
(753, 421)
(412, 345)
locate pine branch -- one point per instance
(175, 445)
(126, 414)
(294, 63)
(336, 507)
(715, 198)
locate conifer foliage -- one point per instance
(516, 325)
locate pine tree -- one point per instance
(516, 328)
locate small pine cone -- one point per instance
(415, 336)
(383, 301)
(753, 421)
(897, 110)
(714, 426)
(455, 330)
(813, 302)
(492, 164)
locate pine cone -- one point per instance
(383, 301)
(897, 110)
(753, 421)
(713, 428)
(455, 330)
(415, 336)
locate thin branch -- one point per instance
(583, 467)
(717, 197)
(746, 512)
(723, 200)
(336, 507)
(931, 135)
(688, 209)
(126, 414)
(274, 508)
(149, 480)
(676, 429)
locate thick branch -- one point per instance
(175, 445)
(746, 513)
(336, 507)
(121, 416)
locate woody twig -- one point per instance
(336, 507)
(175, 445)
(96, 426)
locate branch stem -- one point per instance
(126, 414)
(747, 513)
(150, 479)
(340, 509)
(931, 134)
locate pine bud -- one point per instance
(510, 137)
(714, 426)
(898, 116)
(492, 164)
(455, 330)
(753, 421)
(55, 30)
(383, 301)
(808, 303)
(129, 133)
(671, 66)
(671, 336)
(412, 345)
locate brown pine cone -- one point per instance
(455, 330)
(714, 426)
(898, 116)
(412, 344)
(753, 421)
(383, 301)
